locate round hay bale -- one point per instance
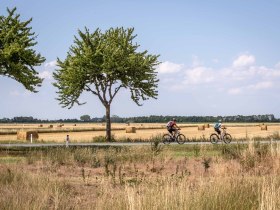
(201, 127)
(60, 125)
(128, 124)
(206, 125)
(264, 127)
(130, 130)
(26, 135)
(41, 126)
(50, 126)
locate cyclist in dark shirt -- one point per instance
(172, 127)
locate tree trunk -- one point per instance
(108, 123)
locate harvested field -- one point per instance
(87, 132)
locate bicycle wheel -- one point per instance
(214, 138)
(181, 139)
(227, 138)
(166, 139)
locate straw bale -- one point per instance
(201, 127)
(206, 125)
(41, 126)
(130, 129)
(26, 135)
(50, 126)
(264, 127)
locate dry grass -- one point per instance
(218, 177)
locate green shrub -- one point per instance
(231, 151)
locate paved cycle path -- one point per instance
(107, 144)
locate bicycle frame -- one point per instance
(223, 133)
(176, 133)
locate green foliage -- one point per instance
(206, 163)
(196, 149)
(85, 118)
(103, 63)
(232, 151)
(156, 148)
(17, 58)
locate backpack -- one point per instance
(169, 124)
(217, 125)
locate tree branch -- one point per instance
(114, 94)
(87, 88)
(99, 94)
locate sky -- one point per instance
(217, 57)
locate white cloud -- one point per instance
(261, 85)
(169, 68)
(243, 61)
(46, 75)
(234, 91)
(49, 68)
(199, 75)
(176, 87)
(50, 64)
(229, 80)
(252, 72)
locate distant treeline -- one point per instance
(150, 119)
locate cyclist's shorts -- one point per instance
(218, 130)
(170, 130)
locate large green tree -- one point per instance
(17, 57)
(102, 64)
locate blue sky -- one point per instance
(218, 57)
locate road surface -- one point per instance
(106, 144)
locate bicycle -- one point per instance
(225, 137)
(178, 137)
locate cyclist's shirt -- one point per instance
(170, 124)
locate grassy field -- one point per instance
(155, 177)
(93, 132)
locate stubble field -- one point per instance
(90, 132)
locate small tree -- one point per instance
(17, 58)
(102, 64)
(85, 118)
